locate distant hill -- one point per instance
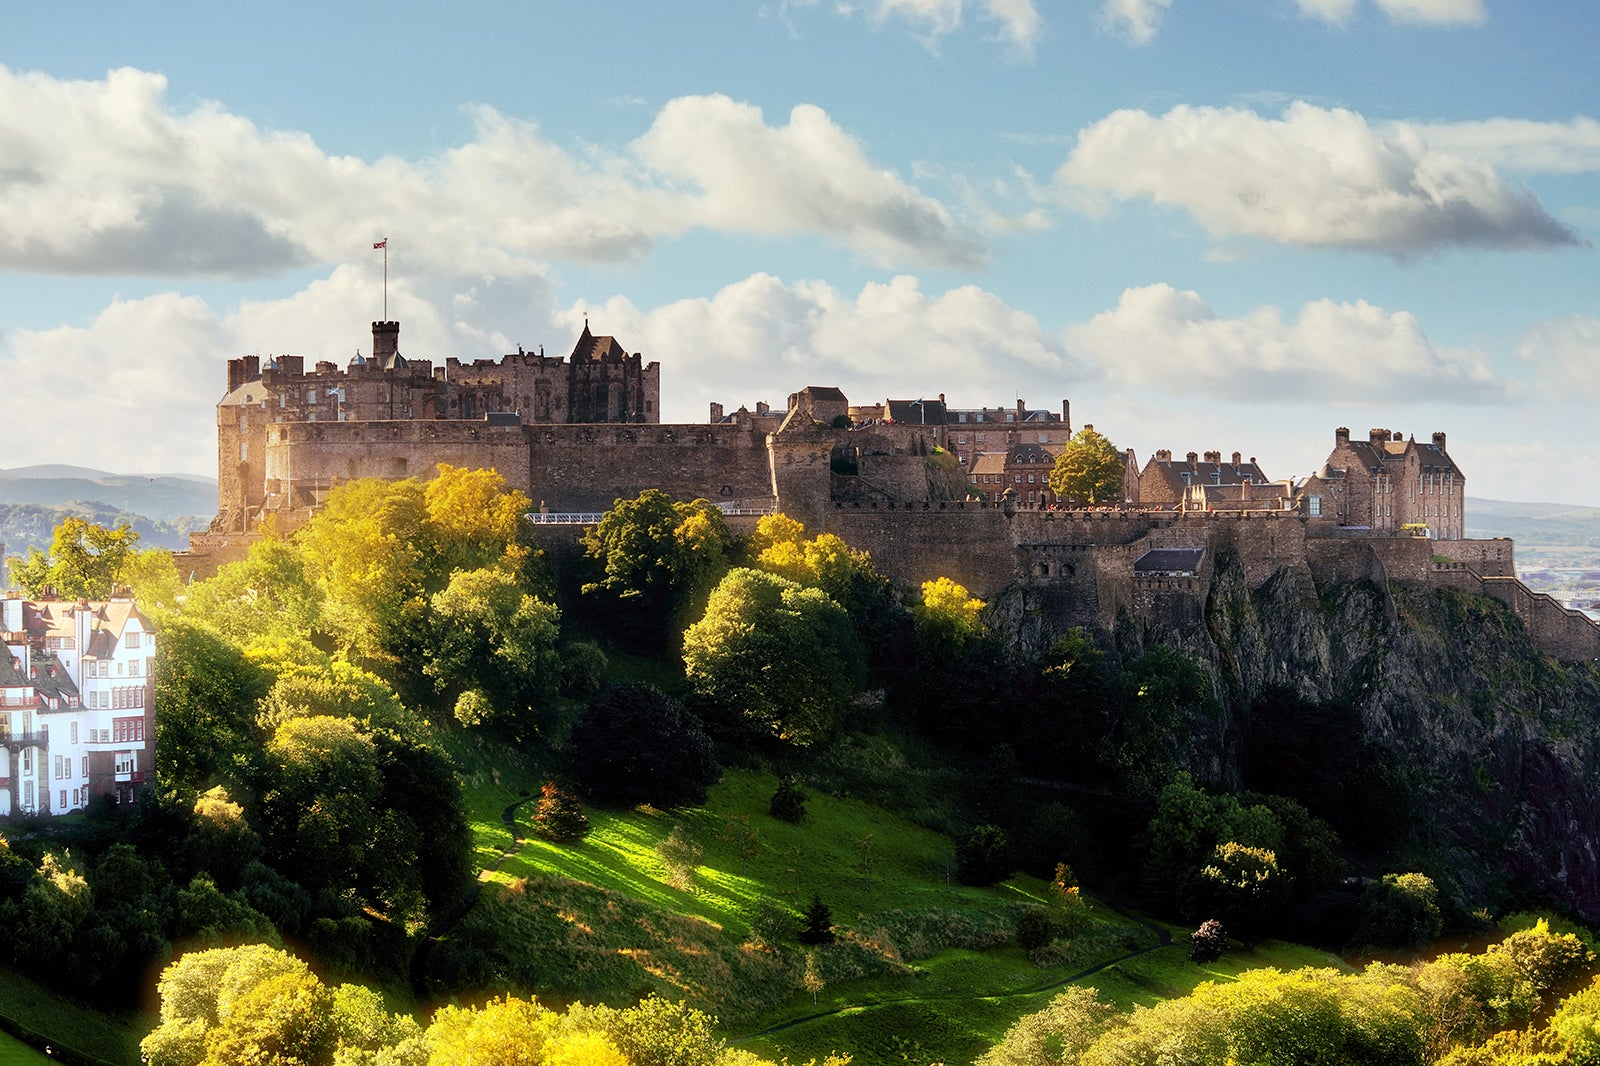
(162, 508)
(1550, 525)
(160, 497)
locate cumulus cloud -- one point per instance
(153, 368)
(1171, 340)
(1140, 20)
(760, 339)
(1315, 176)
(1564, 354)
(104, 176)
(1336, 12)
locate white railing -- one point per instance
(565, 518)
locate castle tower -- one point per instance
(385, 342)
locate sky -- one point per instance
(1228, 225)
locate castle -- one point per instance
(927, 489)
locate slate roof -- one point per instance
(1169, 560)
(923, 412)
(1202, 472)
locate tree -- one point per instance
(1244, 887)
(788, 803)
(559, 816)
(816, 925)
(812, 980)
(655, 556)
(84, 561)
(1033, 928)
(745, 836)
(1400, 911)
(1059, 1034)
(266, 594)
(681, 855)
(1208, 942)
(771, 924)
(635, 744)
(1088, 471)
(206, 692)
(215, 1002)
(491, 636)
(783, 658)
(319, 814)
(983, 856)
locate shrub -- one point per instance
(1400, 911)
(788, 803)
(983, 856)
(1208, 942)
(771, 924)
(1033, 928)
(583, 668)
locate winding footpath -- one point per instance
(452, 918)
(1163, 940)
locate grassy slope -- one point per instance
(922, 971)
(61, 1022)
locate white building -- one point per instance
(77, 719)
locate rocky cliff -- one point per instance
(1419, 719)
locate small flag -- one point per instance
(381, 244)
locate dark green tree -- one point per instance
(635, 744)
(1400, 911)
(816, 925)
(983, 856)
(656, 557)
(788, 802)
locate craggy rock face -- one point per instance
(1424, 708)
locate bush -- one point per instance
(1208, 942)
(983, 856)
(771, 924)
(1033, 928)
(635, 744)
(1400, 911)
(559, 816)
(788, 803)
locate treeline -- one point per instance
(1529, 1000)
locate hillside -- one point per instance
(1534, 525)
(163, 508)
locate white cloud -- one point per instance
(761, 339)
(1571, 147)
(1138, 20)
(1565, 356)
(1316, 177)
(1162, 338)
(1436, 12)
(105, 176)
(1018, 23)
(808, 176)
(1336, 12)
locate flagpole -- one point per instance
(384, 244)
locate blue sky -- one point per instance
(1211, 224)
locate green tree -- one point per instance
(1400, 911)
(635, 744)
(783, 658)
(266, 594)
(491, 636)
(983, 856)
(84, 560)
(1055, 1036)
(1242, 886)
(319, 813)
(657, 557)
(681, 854)
(1088, 471)
(816, 925)
(205, 697)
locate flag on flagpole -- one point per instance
(381, 244)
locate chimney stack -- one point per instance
(1194, 457)
(716, 412)
(1438, 440)
(1341, 436)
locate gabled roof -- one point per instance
(591, 347)
(1031, 453)
(1202, 472)
(824, 392)
(989, 463)
(51, 679)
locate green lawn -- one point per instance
(63, 1023)
(14, 1052)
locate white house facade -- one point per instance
(77, 720)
